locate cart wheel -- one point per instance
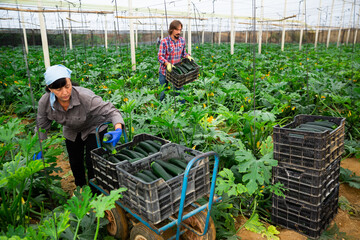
(118, 223)
(141, 232)
(197, 222)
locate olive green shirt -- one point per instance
(84, 114)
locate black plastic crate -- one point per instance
(308, 149)
(105, 171)
(304, 218)
(308, 185)
(157, 200)
(180, 80)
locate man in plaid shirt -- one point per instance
(171, 50)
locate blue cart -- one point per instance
(191, 222)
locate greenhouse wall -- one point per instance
(13, 37)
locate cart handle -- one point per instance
(98, 142)
(184, 188)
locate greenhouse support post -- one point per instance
(132, 43)
(318, 25)
(303, 26)
(70, 36)
(329, 31)
(232, 35)
(246, 36)
(189, 27)
(105, 28)
(261, 25)
(202, 35)
(44, 41)
(341, 24)
(24, 33)
(219, 31)
(136, 35)
(283, 29)
(357, 26)
(349, 30)
(162, 28)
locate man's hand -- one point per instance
(113, 136)
(190, 58)
(169, 67)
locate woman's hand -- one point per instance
(113, 136)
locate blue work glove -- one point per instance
(113, 136)
(37, 156)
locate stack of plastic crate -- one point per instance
(309, 168)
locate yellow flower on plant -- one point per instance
(197, 47)
(90, 65)
(145, 76)
(349, 114)
(210, 119)
(126, 99)
(194, 147)
(300, 63)
(110, 92)
(211, 60)
(323, 97)
(82, 79)
(204, 105)
(258, 144)
(105, 87)
(293, 108)
(152, 105)
(132, 129)
(168, 87)
(16, 82)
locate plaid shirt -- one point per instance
(171, 51)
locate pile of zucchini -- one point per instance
(162, 169)
(317, 126)
(184, 67)
(134, 153)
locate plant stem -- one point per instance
(97, 228)
(77, 229)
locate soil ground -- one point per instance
(348, 224)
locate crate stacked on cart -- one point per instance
(158, 199)
(105, 169)
(309, 169)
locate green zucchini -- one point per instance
(143, 177)
(122, 156)
(149, 174)
(113, 159)
(320, 128)
(135, 159)
(177, 70)
(182, 69)
(308, 129)
(129, 153)
(140, 150)
(188, 67)
(160, 171)
(178, 162)
(327, 124)
(147, 147)
(108, 147)
(154, 144)
(170, 168)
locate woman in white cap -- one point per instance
(80, 111)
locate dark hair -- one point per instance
(59, 84)
(174, 25)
